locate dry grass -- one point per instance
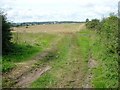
(52, 28)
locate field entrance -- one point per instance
(53, 56)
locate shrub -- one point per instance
(109, 30)
(108, 51)
(93, 24)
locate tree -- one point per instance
(6, 34)
(87, 20)
(93, 24)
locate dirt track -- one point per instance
(24, 74)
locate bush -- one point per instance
(109, 30)
(107, 45)
(93, 24)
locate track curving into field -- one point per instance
(69, 67)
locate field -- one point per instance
(56, 55)
(53, 28)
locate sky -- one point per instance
(57, 10)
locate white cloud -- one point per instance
(50, 10)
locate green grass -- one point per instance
(84, 43)
(26, 46)
(7, 66)
(21, 53)
(45, 80)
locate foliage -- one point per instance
(93, 24)
(110, 32)
(6, 34)
(105, 50)
(87, 20)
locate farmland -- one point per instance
(55, 55)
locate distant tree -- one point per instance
(87, 20)
(93, 24)
(6, 34)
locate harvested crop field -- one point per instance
(52, 28)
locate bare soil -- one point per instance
(27, 79)
(89, 76)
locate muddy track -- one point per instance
(26, 72)
(27, 79)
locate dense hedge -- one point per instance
(108, 30)
(109, 37)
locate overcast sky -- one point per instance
(57, 10)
